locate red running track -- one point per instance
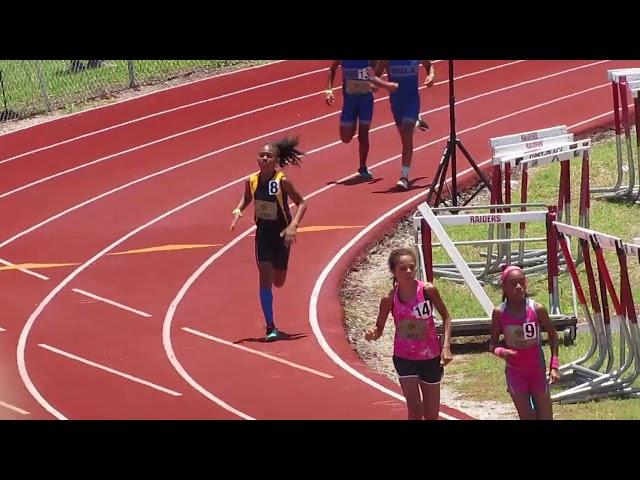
(166, 169)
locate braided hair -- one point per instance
(287, 151)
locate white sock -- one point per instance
(405, 172)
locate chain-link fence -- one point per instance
(34, 86)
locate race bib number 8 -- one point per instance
(529, 330)
(274, 187)
(422, 310)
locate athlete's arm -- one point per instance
(377, 81)
(545, 321)
(244, 203)
(496, 330)
(431, 73)
(434, 296)
(329, 97)
(383, 312)
(289, 233)
(380, 67)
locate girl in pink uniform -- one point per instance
(519, 319)
(417, 354)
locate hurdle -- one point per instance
(592, 383)
(525, 142)
(551, 145)
(621, 81)
(598, 324)
(426, 223)
(524, 150)
(535, 148)
(481, 269)
(635, 91)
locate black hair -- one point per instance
(395, 256)
(287, 151)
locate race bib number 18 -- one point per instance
(363, 74)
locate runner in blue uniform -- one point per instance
(358, 84)
(405, 104)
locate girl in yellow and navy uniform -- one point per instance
(275, 227)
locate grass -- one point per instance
(481, 376)
(65, 88)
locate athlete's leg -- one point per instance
(348, 118)
(431, 373)
(264, 259)
(411, 393)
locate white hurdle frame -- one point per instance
(425, 222)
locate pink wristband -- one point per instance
(497, 351)
(555, 363)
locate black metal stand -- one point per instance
(449, 156)
(5, 114)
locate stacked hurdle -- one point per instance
(427, 223)
(531, 149)
(524, 150)
(635, 91)
(595, 375)
(622, 81)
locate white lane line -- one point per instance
(256, 352)
(14, 408)
(23, 270)
(109, 369)
(233, 117)
(164, 112)
(22, 341)
(110, 302)
(174, 87)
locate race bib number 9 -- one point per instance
(519, 336)
(529, 331)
